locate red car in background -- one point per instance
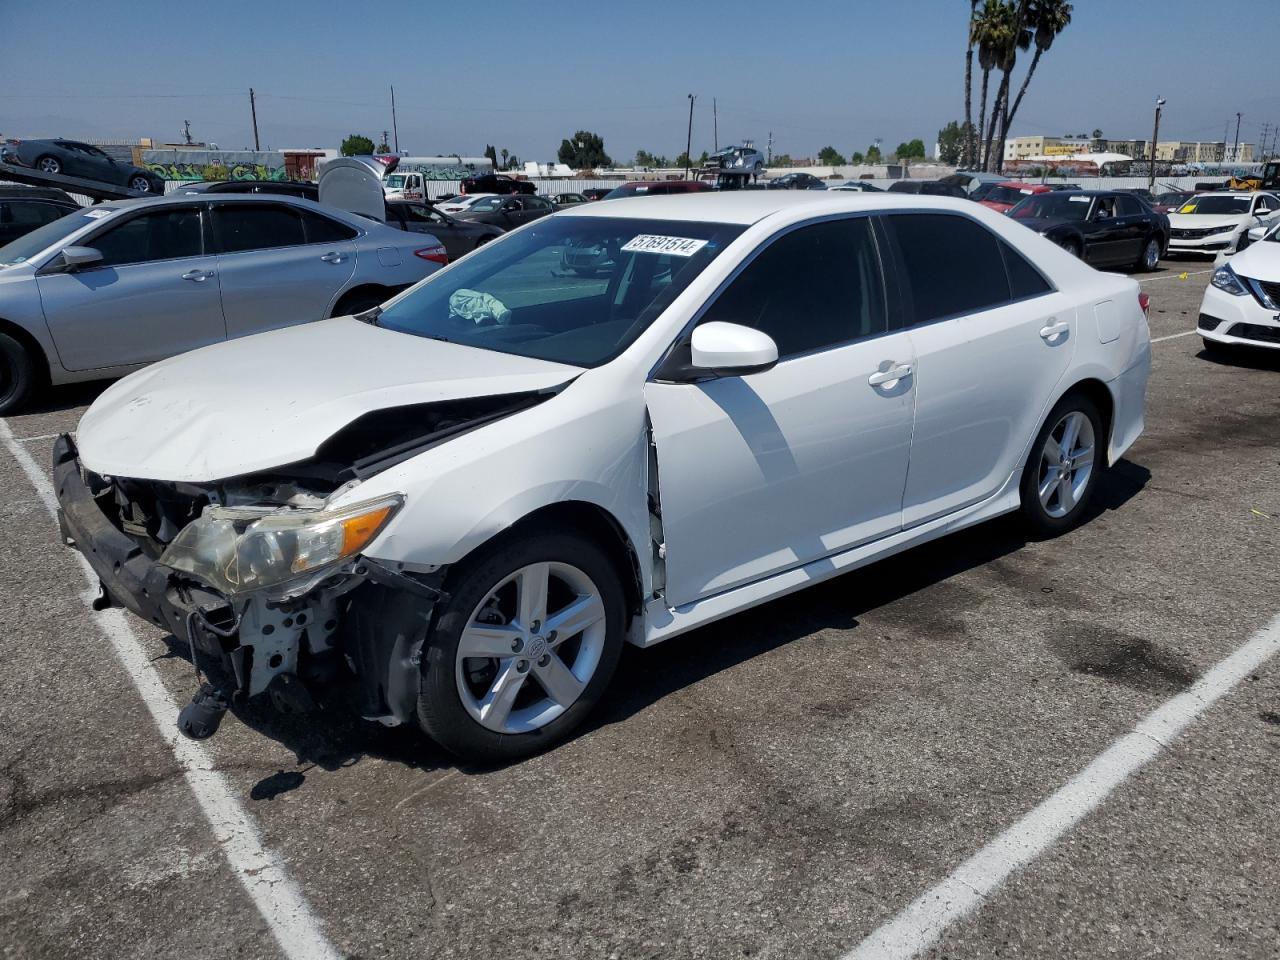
(1003, 196)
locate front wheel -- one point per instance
(1150, 258)
(524, 647)
(17, 374)
(1062, 470)
(141, 184)
(49, 165)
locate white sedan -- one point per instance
(1241, 305)
(1214, 224)
(467, 502)
(462, 203)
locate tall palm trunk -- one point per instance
(966, 157)
(1025, 81)
(996, 112)
(982, 114)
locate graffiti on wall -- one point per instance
(215, 165)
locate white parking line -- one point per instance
(1176, 276)
(1173, 336)
(923, 922)
(43, 436)
(260, 871)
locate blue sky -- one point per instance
(812, 73)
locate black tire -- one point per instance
(53, 163)
(1146, 263)
(358, 301)
(18, 374)
(482, 240)
(1038, 518)
(1072, 247)
(441, 712)
(140, 183)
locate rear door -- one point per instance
(1135, 222)
(1105, 233)
(992, 339)
(154, 294)
(278, 264)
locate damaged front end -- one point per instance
(265, 575)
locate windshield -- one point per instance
(1006, 195)
(982, 191)
(486, 203)
(627, 190)
(575, 290)
(1215, 204)
(395, 181)
(41, 238)
(1063, 206)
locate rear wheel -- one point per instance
(17, 374)
(524, 648)
(358, 301)
(1062, 470)
(49, 164)
(141, 184)
(1149, 259)
(1072, 247)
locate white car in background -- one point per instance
(461, 204)
(1241, 306)
(468, 500)
(1216, 223)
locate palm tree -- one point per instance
(1049, 18)
(966, 155)
(1010, 33)
(984, 29)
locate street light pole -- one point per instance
(1235, 149)
(1155, 138)
(688, 143)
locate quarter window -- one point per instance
(256, 226)
(320, 229)
(815, 287)
(953, 265)
(1024, 279)
(167, 234)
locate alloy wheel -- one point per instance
(1066, 464)
(1151, 255)
(50, 165)
(530, 648)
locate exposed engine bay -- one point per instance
(267, 580)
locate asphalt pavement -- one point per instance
(777, 785)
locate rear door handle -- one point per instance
(197, 275)
(898, 371)
(332, 258)
(1054, 329)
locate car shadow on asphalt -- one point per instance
(336, 737)
(1248, 358)
(67, 397)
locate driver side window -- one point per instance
(814, 288)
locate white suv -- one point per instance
(467, 502)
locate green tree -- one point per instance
(856, 158)
(645, 159)
(831, 157)
(384, 147)
(584, 151)
(952, 140)
(911, 150)
(1047, 19)
(782, 160)
(968, 148)
(505, 154)
(682, 160)
(1097, 134)
(492, 154)
(874, 155)
(356, 145)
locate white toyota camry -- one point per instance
(462, 504)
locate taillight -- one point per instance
(1144, 301)
(436, 254)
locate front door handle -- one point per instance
(1054, 329)
(199, 276)
(332, 258)
(898, 371)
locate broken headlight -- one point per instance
(236, 550)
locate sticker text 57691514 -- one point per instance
(652, 243)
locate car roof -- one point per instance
(36, 193)
(178, 197)
(751, 206)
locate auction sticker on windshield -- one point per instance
(652, 243)
(98, 214)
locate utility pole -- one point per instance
(688, 143)
(186, 131)
(1262, 141)
(253, 109)
(394, 132)
(1235, 150)
(1155, 138)
(715, 127)
(769, 156)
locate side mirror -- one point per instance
(1257, 233)
(732, 350)
(77, 257)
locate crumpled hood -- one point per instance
(267, 400)
(1260, 260)
(1191, 221)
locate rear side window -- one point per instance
(953, 265)
(815, 287)
(256, 226)
(1024, 279)
(29, 213)
(166, 234)
(1128, 206)
(321, 229)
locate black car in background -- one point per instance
(286, 188)
(73, 158)
(458, 236)
(1102, 227)
(22, 209)
(796, 181)
(507, 212)
(930, 188)
(496, 183)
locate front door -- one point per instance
(154, 293)
(766, 472)
(992, 342)
(279, 264)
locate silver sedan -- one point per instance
(110, 288)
